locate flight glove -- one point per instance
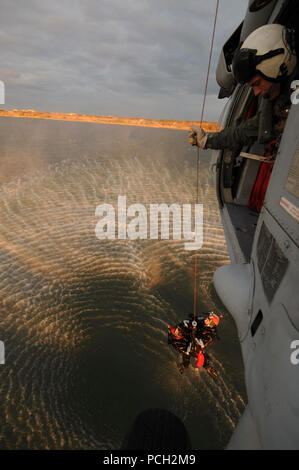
(198, 137)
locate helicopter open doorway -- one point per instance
(235, 174)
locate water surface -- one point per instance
(85, 321)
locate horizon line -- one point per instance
(175, 124)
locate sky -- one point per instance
(135, 58)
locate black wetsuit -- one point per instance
(191, 342)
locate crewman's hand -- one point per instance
(198, 137)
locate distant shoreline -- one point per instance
(114, 120)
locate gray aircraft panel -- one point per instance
(282, 199)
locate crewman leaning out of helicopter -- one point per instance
(191, 338)
(266, 61)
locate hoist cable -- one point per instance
(197, 162)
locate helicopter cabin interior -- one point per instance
(237, 171)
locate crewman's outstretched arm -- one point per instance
(235, 137)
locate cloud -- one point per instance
(130, 57)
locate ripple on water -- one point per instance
(85, 322)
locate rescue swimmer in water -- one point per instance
(191, 338)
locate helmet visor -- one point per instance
(244, 65)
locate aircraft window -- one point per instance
(256, 323)
(231, 45)
(258, 5)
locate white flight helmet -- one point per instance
(268, 51)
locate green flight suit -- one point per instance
(250, 131)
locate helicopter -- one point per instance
(260, 286)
